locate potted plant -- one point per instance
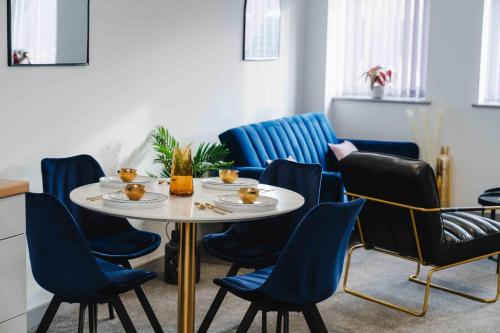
(208, 156)
(379, 77)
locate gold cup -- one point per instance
(248, 194)
(228, 176)
(135, 192)
(127, 174)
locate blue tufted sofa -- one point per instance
(306, 138)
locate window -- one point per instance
(489, 84)
(389, 33)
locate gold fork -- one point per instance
(201, 206)
(99, 197)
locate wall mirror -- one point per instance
(48, 32)
(262, 30)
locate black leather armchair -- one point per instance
(403, 217)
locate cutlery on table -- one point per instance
(210, 206)
(201, 206)
(99, 197)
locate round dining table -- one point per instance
(182, 210)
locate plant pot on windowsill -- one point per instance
(378, 92)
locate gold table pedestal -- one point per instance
(187, 277)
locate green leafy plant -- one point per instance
(208, 156)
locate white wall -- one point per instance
(170, 62)
(453, 74)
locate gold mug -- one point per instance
(248, 194)
(135, 192)
(228, 176)
(127, 174)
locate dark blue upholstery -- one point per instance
(308, 270)
(306, 138)
(61, 260)
(109, 237)
(258, 243)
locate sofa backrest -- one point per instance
(305, 137)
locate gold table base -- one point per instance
(187, 277)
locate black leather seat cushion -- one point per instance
(461, 226)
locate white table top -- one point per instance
(177, 209)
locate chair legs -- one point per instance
(81, 317)
(123, 315)
(311, 315)
(248, 319)
(93, 317)
(219, 298)
(49, 315)
(314, 320)
(264, 321)
(111, 311)
(148, 310)
(279, 317)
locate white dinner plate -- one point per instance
(215, 183)
(233, 203)
(117, 183)
(148, 201)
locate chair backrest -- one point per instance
(305, 137)
(62, 175)
(302, 178)
(395, 179)
(61, 260)
(309, 269)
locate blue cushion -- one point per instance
(122, 279)
(246, 253)
(124, 245)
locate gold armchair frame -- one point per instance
(420, 261)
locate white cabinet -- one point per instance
(12, 216)
(12, 264)
(12, 277)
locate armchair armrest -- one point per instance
(250, 172)
(469, 209)
(403, 149)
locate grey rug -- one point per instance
(371, 272)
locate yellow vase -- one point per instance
(181, 174)
(443, 177)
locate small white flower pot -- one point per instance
(378, 92)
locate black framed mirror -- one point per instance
(262, 30)
(48, 32)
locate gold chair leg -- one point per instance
(414, 278)
(380, 301)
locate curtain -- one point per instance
(489, 86)
(34, 29)
(389, 33)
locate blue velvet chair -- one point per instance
(63, 264)
(258, 244)
(110, 238)
(307, 272)
(305, 137)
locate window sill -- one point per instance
(486, 105)
(420, 101)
